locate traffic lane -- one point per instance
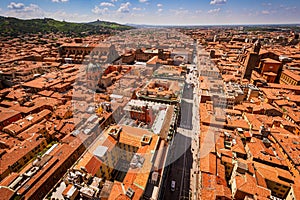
(181, 145)
(187, 165)
(169, 194)
(176, 167)
(175, 175)
(182, 164)
(177, 149)
(187, 91)
(186, 115)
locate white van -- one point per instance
(173, 184)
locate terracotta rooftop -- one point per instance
(211, 189)
(292, 74)
(274, 174)
(25, 123)
(6, 193)
(270, 155)
(6, 113)
(289, 143)
(247, 183)
(271, 61)
(93, 165)
(19, 151)
(60, 155)
(208, 164)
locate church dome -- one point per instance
(93, 67)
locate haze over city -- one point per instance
(158, 12)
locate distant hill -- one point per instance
(110, 25)
(10, 26)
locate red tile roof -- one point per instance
(93, 165)
(6, 193)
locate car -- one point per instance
(173, 184)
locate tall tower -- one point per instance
(257, 46)
(252, 60)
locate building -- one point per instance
(125, 156)
(270, 69)
(289, 77)
(160, 118)
(161, 90)
(8, 116)
(80, 52)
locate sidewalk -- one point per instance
(195, 171)
(195, 147)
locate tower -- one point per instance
(252, 60)
(256, 46)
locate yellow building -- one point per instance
(115, 149)
(21, 154)
(289, 78)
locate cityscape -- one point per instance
(160, 105)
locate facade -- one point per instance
(79, 52)
(289, 78)
(270, 69)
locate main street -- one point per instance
(184, 149)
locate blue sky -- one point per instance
(163, 12)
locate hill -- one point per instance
(10, 26)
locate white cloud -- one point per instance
(34, 11)
(16, 6)
(137, 15)
(266, 4)
(124, 7)
(137, 9)
(160, 10)
(32, 8)
(20, 7)
(143, 1)
(290, 8)
(99, 11)
(21, 10)
(180, 12)
(214, 11)
(217, 2)
(70, 17)
(265, 12)
(107, 4)
(60, 1)
(159, 5)
(114, 1)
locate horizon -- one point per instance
(165, 25)
(158, 12)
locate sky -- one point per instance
(158, 12)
